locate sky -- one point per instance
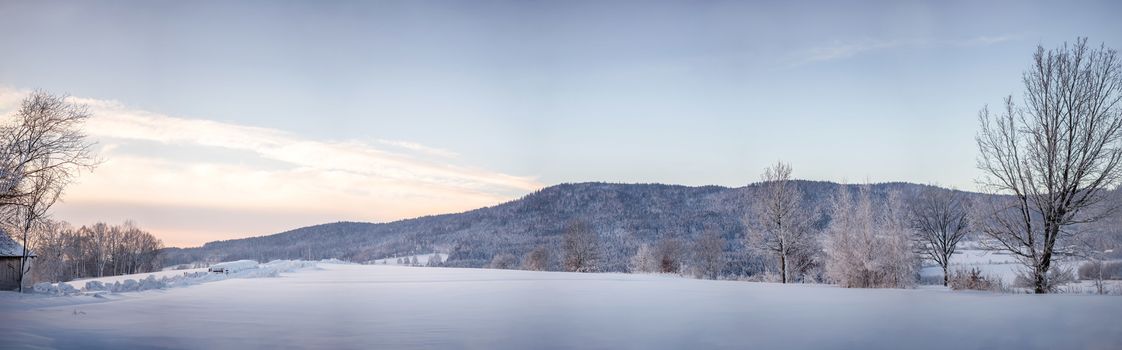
(227, 119)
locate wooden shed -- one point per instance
(10, 254)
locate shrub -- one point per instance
(1058, 276)
(504, 261)
(973, 279)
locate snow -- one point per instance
(172, 278)
(991, 263)
(233, 266)
(1003, 266)
(397, 307)
(9, 247)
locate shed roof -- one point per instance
(9, 247)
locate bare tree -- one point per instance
(940, 219)
(782, 227)
(709, 254)
(42, 149)
(1054, 156)
(581, 248)
(65, 253)
(537, 259)
(668, 255)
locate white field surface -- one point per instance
(991, 263)
(1001, 265)
(395, 307)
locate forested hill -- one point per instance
(624, 216)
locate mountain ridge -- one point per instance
(624, 215)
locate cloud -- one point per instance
(419, 148)
(275, 172)
(839, 49)
(984, 40)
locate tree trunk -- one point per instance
(946, 277)
(783, 267)
(1040, 278)
(1040, 274)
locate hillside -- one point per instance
(624, 215)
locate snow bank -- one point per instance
(54, 289)
(122, 284)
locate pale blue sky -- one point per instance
(700, 92)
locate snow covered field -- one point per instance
(1005, 267)
(394, 307)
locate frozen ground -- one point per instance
(991, 263)
(393, 307)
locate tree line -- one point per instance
(67, 253)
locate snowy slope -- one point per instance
(392, 307)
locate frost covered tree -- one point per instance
(42, 150)
(1054, 154)
(709, 255)
(435, 260)
(581, 247)
(783, 224)
(644, 260)
(537, 259)
(869, 247)
(413, 261)
(940, 219)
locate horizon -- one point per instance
(266, 118)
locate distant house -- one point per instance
(10, 253)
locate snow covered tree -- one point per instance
(537, 259)
(1054, 155)
(413, 261)
(434, 260)
(783, 224)
(581, 248)
(709, 255)
(939, 220)
(866, 247)
(644, 260)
